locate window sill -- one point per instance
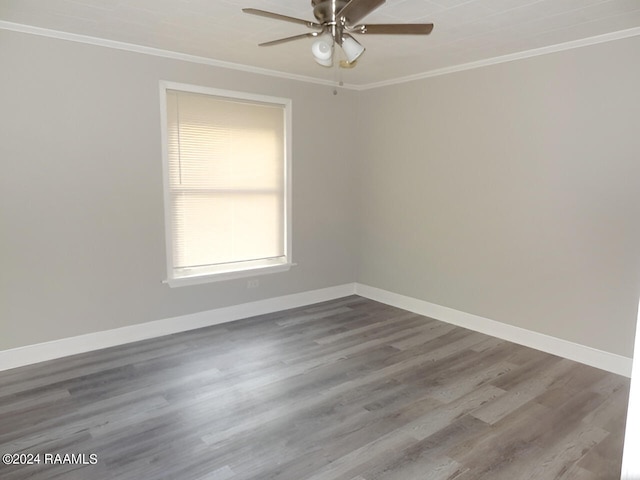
(228, 275)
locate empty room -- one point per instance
(319, 239)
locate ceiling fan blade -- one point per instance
(289, 39)
(356, 10)
(277, 16)
(394, 28)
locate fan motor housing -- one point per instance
(325, 10)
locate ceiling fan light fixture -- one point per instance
(322, 51)
(334, 20)
(352, 49)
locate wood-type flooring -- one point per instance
(348, 389)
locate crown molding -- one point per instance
(583, 42)
(73, 37)
(157, 52)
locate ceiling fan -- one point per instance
(336, 21)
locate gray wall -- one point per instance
(81, 212)
(511, 192)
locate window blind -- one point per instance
(226, 169)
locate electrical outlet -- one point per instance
(254, 283)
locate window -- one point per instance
(227, 172)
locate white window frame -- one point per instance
(249, 269)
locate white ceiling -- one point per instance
(465, 31)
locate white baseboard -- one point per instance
(41, 352)
(556, 346)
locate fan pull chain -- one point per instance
(337, 77)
